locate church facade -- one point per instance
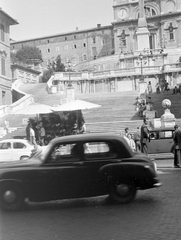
(163, 22)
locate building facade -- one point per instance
(77, 46)
(5, 71)
(110, 54)
(163, 22)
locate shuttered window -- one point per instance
(2, 32)
(3, 71)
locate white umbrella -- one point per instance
(34, 109)
(75, 105)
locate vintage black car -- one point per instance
(78, 166)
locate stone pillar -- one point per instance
(70, 93)
(167, 119)
(142, 32)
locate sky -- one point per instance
(38, 18)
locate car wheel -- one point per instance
(23, 157)
(123, 192)
(11, 197)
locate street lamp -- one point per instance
(69, 65)
(141, 60)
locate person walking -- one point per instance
(32, 135)
(144, 140)
(42, 134)
(75, 129)
(28, 132)
(149, 87)
(177, 146)
(131, 142)
(137, 137)
(126, 132)
(6, 126)
(158, 88)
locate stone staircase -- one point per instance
(116, 113)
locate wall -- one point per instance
(27, 75)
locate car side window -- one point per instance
(18, 145)
(165, 134)
(5, 145)
(99, 150)
(64, 153)
(153, 135)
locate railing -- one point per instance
(81, 76)
(4, 110)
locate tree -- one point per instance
(57, 65)
(28, 54)
(46, 75)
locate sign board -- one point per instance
(25, 121)
(157, 123)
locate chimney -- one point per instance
(98, 25)
(77, 28)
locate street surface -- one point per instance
(155, 214)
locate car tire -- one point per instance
(11, 197)
(123, 192)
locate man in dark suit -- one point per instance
(144, 137)
(177, 146)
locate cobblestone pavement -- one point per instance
(155, 214)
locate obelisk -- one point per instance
(142, 32)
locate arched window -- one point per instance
(149, 12)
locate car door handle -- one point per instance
(78, 163)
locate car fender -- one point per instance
(129, 170)
(2, 181)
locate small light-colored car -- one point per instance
(14, 149)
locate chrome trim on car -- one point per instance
(157, 184)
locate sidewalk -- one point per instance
(163, 160)
(164, 163)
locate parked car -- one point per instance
(161, 141)
(78, 166)
(14, 149)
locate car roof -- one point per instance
(161, 129)
(14, 140)
(88, 137)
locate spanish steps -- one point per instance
(117, 111)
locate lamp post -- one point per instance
(70, 89)
(69, 65)
(141, 61)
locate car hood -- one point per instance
(142, 157)
(30, 162)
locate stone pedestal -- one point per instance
(70, 94)
(143, 38)
(167, 119)
(142, 89)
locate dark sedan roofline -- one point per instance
(88, 137)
